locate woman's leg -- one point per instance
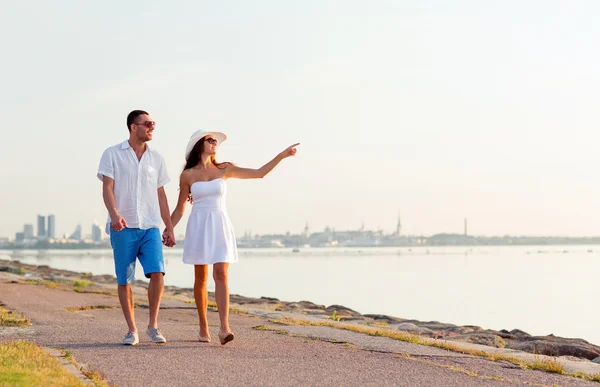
(201, 297)
(222, 294)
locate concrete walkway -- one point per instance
(263, 353)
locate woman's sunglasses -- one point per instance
(211, 141)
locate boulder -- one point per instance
(488, 339)
(519, 333)
(270, 299)
(412, 328)
(311, 305)
(557, 346)
(385, 318)
(343, 312)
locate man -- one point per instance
(133, 178)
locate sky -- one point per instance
(433, 111)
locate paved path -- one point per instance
(291, 356)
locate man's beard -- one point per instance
(145, 137)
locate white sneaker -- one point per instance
(131, 339)
(156, 335)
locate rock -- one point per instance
(412, 328)
(342, 311)
(385, 318)
(504, 334)
(310, 305)
(488, 339)
(519, 333)
(557, 346)
(573, 358)
(292, 305)
(447, 329)
(596, 360)
(13, 270)
(241, 300)
(270, 299)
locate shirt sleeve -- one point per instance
(163, 176)
(106, 167)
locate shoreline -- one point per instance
(179, 246)
(569, 348)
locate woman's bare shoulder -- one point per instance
(186, 175)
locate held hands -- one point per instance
(168, 237)
(289, 151)
(118, 223)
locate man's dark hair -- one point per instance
(132, 116)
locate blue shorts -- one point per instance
(131, 243)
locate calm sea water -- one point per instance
(539, 289)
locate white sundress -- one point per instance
(209, 236)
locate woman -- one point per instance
(209, 236)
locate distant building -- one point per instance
(51, 226)
(41, 226)
(96, 232)
(76, 234)
(28, 231)
(20, 237)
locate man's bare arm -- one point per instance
(165, 214)
(108, 194)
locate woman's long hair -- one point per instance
(196, 155)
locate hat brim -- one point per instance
(218, 135)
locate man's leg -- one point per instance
(124, 244)
(155, 292)
(151, 258)
(127, 305)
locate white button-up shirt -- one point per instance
(136, 184)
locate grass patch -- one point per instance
(268, 328)
(96, 377)
(240, 312)
(77, 290)
(335, 316)
(381, 323)
(25, 364)
(81, 283)
(593, 378)
(66, 285)
(90, 307)
(548, 365)
(9, 318)
(49, 284)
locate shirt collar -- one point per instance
(125, 145)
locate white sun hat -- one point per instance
(220, 137)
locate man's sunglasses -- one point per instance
(211, 141)
(148, 124)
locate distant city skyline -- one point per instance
(46, 229)
(97, 232)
